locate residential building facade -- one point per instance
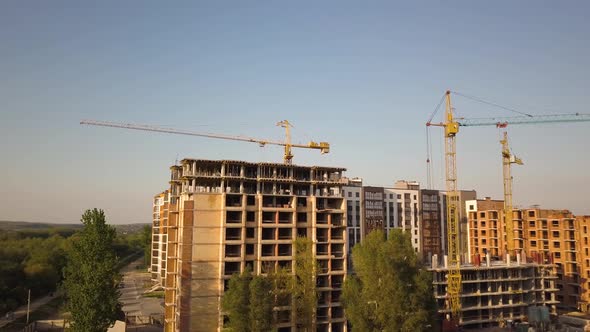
(159, 236)
(226, 216)
(549, 236)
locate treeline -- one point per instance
(34, 259)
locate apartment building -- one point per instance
(431, 223)
(159, 237)
(494, 292)
(549, 235)
(583, 233)
(226, 215)
(464, 195)
(352, 192)
(407, 198)
(383, 208)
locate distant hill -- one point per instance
(25, 226)
(31, 226)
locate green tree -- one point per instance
(90, 274)
(236, 300)
(261, 304)
(304, 291)
(390, 290)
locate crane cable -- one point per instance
(429, 144)
(490, 103)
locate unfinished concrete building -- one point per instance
(494, 292)
(159, 237)
(547, 234)
(583, 233)
(227, 215)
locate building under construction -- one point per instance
(225, 216)
(551, 235)
(495, 292)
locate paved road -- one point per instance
(22, 311)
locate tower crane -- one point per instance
(324, 147)
(451, 127)
(507, 160)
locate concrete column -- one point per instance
(434, 261)
(488, 260)
(507, 259)
(446, 260)
(518, 258)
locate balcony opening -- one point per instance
(302, 232)
(338, 250)
(250, 233)
(233, 250)
(283, 202)
(251, 171)
(268, 233)
(249, 249)
(269, 217)
(285, 233)
(250, 200)
(322, 235)
(232, 234)
(284, 249)
(337, 281)
(322, 281)
(301, 174)
(285, 217)
(233, 217)
(250, 216)
(323, 266)
(337, 312)
(301, 202)
(338, 265)
(337, 220)
(268, 250)
(337, 234)
(231, 267)
(301, 216)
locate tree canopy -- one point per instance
(91, 274)
(248, 302)
(389, 290)
(305, 295)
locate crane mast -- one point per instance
(451, 128)
(454, 276)
(507, 160)
(288, 156)
(324, 147)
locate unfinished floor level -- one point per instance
(497, 291)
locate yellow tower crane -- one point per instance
(507, 160)
(451, 126)
(324, 147)
(454, 262)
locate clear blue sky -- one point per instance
(362, 76)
